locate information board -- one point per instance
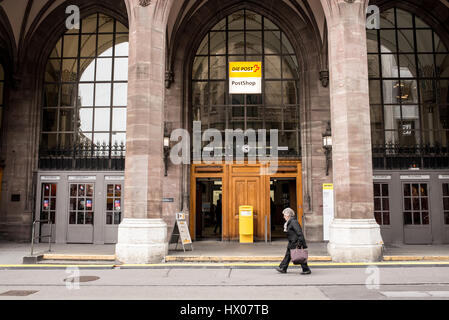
(181, 232)
(328, 209)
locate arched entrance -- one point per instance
(217, 190)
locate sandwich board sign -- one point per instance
(181, 232)
(245, 77)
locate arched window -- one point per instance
(85, 88)
(248, 36)
(409, 81)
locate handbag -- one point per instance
(299, 256)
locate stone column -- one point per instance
(354, 235)
(19, 151)
(142, 236)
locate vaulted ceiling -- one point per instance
(21, 18)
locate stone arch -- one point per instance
(49, 31)
(197, 21)
(193, 24)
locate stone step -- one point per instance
(243, 259)
(76, 262)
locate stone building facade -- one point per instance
(85, 109)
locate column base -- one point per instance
(142, 241)
(355, 240)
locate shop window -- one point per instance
(382, 203)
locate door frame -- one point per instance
(291, 169)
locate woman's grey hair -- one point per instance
(289, 212)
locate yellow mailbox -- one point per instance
(246, 227)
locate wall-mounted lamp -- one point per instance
(166, 149)
(327, 145)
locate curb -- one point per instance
(210, 265)
(223, 259)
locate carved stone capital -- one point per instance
(144, 3)
(324, 78)
(169, 78)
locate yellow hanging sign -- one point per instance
(245, 77)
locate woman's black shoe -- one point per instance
(280, 270)
(306, 272)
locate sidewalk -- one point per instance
(212, 251)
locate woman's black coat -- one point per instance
(295, 235)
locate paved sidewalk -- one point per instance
(13, 253)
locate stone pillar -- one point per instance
(142, 236)
(354, 235)
(19, 151)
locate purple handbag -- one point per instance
(299, 255)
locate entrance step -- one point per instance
(71, 259)
(242, 259)
(76, 263)
(79, 257)
(416, 258)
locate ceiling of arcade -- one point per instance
(24, 16)
(308, 9)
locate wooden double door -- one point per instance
(244, 184)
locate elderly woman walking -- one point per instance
(295, 239)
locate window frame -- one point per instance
(108, 148)
(423, 131)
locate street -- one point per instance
(228, 283)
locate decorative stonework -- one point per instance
(324, 78)
(144, 3)
(169, 78)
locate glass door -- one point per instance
(81, 213)
(48, 210)
(114, 211)
(209, 209)
(417, 226)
